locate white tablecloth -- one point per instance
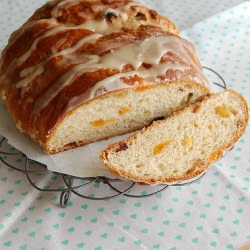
(213, 213)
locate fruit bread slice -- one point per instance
(183, 145)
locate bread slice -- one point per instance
(183, 145)
(122, 111)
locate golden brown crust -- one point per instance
(189, 175)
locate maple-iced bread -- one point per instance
(183, 145)
(81, 71)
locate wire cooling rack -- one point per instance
(85, 187)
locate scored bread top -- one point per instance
(183, 145)
(69, 52)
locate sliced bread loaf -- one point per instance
(183, 145)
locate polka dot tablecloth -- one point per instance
(213, 213)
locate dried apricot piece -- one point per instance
(223, 111)
(123, 110)
(101, 122)
(161, 147)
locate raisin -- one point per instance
(153, 14)
(158, 119)
(121, 147)
(140, 16)
(110, 15)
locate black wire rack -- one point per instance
(86, 187)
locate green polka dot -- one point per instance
(7, 243)
(149, 219)
(155, 208)
(170, 210)
(220, 219)
(166, 222)
(104, 236)
(39, 221)
(94, 220)
(111, 224)
(203, 216)
(156, 246)
(23, 247)
(195, 240)
(24, 219)
(133, 216)
(234, 234)
(144, 230)
(216, 231)
(71, 229)
(65, 242)
(122, 239)
(56, 226)
(187, 214)
(47, 237)
(88, 232)
(32, 234)
(213, 243)
(178, 237)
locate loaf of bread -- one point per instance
(81, 71)
(182, 146)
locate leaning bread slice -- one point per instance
(183, 145)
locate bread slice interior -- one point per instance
(182, 146)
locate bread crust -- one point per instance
(104, 155)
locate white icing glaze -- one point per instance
(51, 22)
(98, 26)
(132, 4)
(28, 75)
(48, 33)
(66, 79)
(19, 61)
(148, 51)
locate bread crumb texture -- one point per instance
(121, 112)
